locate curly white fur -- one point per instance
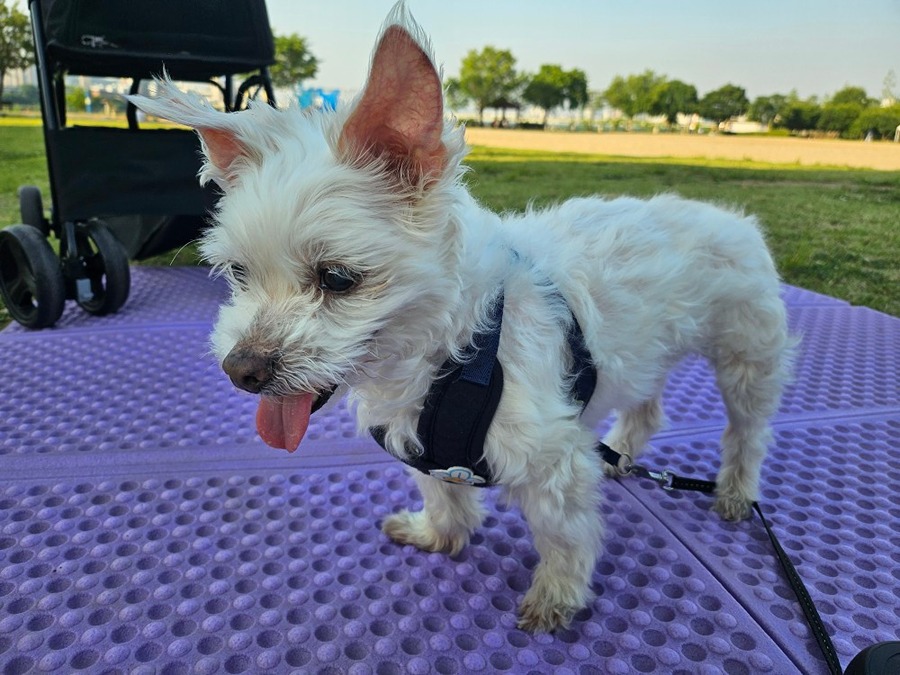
(649, 282)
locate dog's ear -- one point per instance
(223, 150)
(400, 116)
(219, 139)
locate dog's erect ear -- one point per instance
(222, 149)
(400, 116)
(217, 131)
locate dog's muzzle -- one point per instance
(249, 369)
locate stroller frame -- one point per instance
(119, 194)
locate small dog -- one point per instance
(356, 257)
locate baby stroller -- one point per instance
(122, 194)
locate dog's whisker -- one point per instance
(178, 252)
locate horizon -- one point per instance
(813, 48)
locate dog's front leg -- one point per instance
(451, 514)
(564, 516)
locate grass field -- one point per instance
(832, 230)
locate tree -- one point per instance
(16, 47)
(838, 117)
(673, 97)
(852, 95)
(801, 115)
(618, 96)
(76, 99)
(724, 103)
(547, 89)
(576, 89)
(767, 109)
(633, 94)
(294, 62)
(486, 76)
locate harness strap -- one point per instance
(481, 355)
(458, 410)
(585, 381)
(461, 403)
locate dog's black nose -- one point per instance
(249, 369)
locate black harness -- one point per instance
(461, 403)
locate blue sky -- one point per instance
(765, 46)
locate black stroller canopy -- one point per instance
(194, 39)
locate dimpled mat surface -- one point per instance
(144, 528)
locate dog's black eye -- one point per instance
(336, 279)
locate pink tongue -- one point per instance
(282, 421)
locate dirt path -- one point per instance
(807, 152)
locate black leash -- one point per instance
(879, 659)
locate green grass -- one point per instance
(834, 230)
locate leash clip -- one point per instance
(626, 467)
(662, 478)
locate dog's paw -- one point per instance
(551, 602)
(414, 528)
(540, 615)
(732, 507)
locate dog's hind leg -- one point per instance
(451, 514)
(632, 429)
(563, 513)
(752, 367)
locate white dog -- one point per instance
(357, 258)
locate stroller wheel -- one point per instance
(31, 280)
(31, 208)
(107, 277)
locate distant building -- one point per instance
(21, 77)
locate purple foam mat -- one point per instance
(159, 296)
(145, 529)
(800, 296)
(225, 572)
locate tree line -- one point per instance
(848, 113)
(488, 79)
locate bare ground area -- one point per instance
(804, 151)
